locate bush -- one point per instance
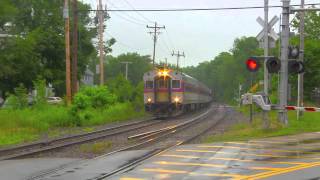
(40, 87)
(117, 112)
(22, 95)
(90, 98)
(93, 97)
(91, 106)
(18, 100)
(138, 97)
(122, 88)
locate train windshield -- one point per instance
(176, 84)
(162, 83)
(149, 84)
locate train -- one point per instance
(169, 92)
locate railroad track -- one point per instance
(45, 146)
(144, 140)
(148, 138)
(54, 144)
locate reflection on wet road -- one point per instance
(293, 157)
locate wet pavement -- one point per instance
(288, 157)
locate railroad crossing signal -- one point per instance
(293, 52)
(295, 67)
(273, 36)
(273, 65)
(252, 64)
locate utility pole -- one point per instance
(75, 47)
(178, 57)
(155, 33)
(301, 58)
(283, 91)
(67, 42)
(126, 62)
(266, 122)
(266, 46)
(101, 46)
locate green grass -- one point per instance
(310, 122)
(115, 113)
(25, 125)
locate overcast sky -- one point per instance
(201, 35)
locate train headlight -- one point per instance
(165, 73)
(149, 100)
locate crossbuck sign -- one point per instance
(273, 36)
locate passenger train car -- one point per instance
(168, 92)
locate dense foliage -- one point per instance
(36, 46)
(93, 97)
(114, 66)
(225, 72)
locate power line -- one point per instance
(155, 33)
(121, 43)
(130, 18)
(166, 46)
(137, 21)
(170, 41)
(147, 20)
(199, 9)
(178, 57)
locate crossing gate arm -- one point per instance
(308, 109)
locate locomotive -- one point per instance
(168, 92)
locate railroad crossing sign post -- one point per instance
(267, 39)
(273, 36)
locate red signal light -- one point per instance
(252, 64)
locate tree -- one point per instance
(225, 72)
(122, 88)
(7, 12)
(38, 48)
(108, 45)
(139, 65)
(311, 52)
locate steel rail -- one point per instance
(43, 146)
(141, 144)
(168, 128)
(158, 151)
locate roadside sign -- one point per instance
(246, 99)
